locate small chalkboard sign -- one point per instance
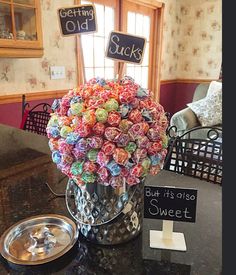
(77, 19)
(125, 47)
(168, 203)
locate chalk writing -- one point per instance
(125, 47)
(79, 19)
(169, 203)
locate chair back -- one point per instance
(36, 119)
(200, 158)
(200, 91)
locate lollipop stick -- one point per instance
(124, 185)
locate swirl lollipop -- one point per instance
(108, 132)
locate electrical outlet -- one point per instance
(57, 72)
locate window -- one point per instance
(94, 45)
(134, 27)
(139, 24)
(143, 18)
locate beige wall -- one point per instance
(169, 61)
(200, 39)
(192, 39)
(191, 48)
(29, 75)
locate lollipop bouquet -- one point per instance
(107, 134)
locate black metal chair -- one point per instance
(200, 158)
(36, 119)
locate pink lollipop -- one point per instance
(103, 173)
(114, 118)
(99, 129)
(135, 116)
(108, 148)
(111, 133)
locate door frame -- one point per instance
(154, 76)
(156, 40)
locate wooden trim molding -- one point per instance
(13, 53)
(149, 3)
(14, 98)
(168, 81)
(159, 20)
(171, 81)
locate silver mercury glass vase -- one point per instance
(106, 215)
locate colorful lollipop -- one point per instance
(108, 132)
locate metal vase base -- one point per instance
(106, 215)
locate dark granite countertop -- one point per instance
(24, 194)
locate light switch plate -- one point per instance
(57, 72)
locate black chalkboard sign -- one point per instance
(125, 47)
(77, 19)
(168, 203)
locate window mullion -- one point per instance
(13, 20)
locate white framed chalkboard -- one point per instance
(169, 203)
(77, 19)
(125, 47)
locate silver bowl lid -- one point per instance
(38, 239)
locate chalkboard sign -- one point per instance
(125, 47)
(77, 19)
(168, 203)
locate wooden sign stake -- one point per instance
(167, 229)
(124, 47)
(75, 20)
(120, 72)
(167, 239)
(80, 60)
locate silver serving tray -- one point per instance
(38, 239)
